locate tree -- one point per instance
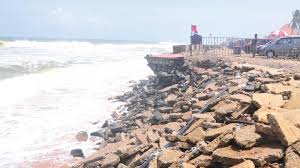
(295, 23)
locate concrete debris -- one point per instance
(210, 114)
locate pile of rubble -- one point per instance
(214, 114)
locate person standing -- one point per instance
(254, 43)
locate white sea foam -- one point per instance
(54, 89)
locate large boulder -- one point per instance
(247, 137)
(286, 132)
(168, 156)
(259, 155)
(267, 100)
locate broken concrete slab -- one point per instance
(261, 114)
(267, 100)
(196, 135)
(276, 88)
(292, 157)
(286, 132)
(171, 99)
(229, 156)
(226, 106)
(246, 137)
(110, 160)
(264, 129)
(221, 141)
(201, 161)
(168, 156)
(245, 164)
(213, 133)
(241, 98)
(293, 102)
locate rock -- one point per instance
(267, 100)
(140, 136)
(297, 76)
(293, 102)
(241, 98)
(152, 136)
(162, 142)
(245, 164)
(183, 145)
(211, 125)
(110, 160)
(153, 163)
(187, 165)
(201, 161)
(221, 141)
(286, 132)
(130, 150)
(264, 129)
(261, 114)
(175, 116)
(292, 157)
(82, 136)
(249, 88)
(77, 153)
(276, 88)
(171, 99)
(173, 126)
(196, 135)
(259, 155)
(187, 115)
(246, 137)
(147, 114)
(196, 124)
(199, 104)
(213, 133)
(142, 158)
(121, 165)
(206, 117)
(169, 88)
(226, 106)
(166, 109)
(156, 118)
(293, 116)
(265, 80)
(168, 156)
(116, 127)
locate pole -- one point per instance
(191, 46)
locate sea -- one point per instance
(52, 89)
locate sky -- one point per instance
(152, 20)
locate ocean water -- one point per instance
(50, 90)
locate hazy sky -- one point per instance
(152, 20)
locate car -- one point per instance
(260, 42)
(286, 46)
(259, 47)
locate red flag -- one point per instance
(194, 29)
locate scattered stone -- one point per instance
(221, 141)
(293, 102)
(276, 88)
(169, 156)
(166, 109)
(292, 156)
(264, 129)
(77, 153)
(82, 136)
(213, 133)
(259, 155)
(297, 76)
(187, 165)
(171, 99)
(196, 135)
(286, 132)
(225, 107)
(110, 160)
(241, 98)
(267, 100)
(201, 161)
(245, 164)
(172, 126)
(246, 137)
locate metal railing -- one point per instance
(284, 48)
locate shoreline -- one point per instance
(158, 108)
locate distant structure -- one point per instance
(195, 37)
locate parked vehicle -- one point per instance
(260, 42)
(286, 46)
(259, 48)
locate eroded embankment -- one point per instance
(214, 114)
